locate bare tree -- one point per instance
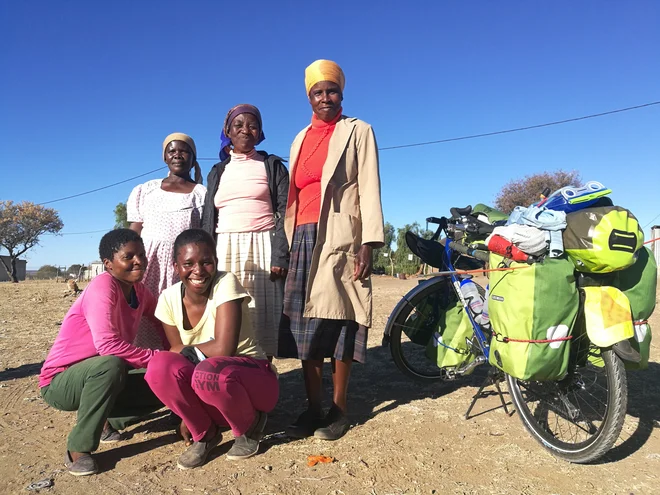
(525, 191)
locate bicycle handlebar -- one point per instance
(475, 253)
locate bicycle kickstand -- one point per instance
(494, 378)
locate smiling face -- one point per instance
(325, 98)
(179, 158)
(196, 264)
(128, 263)
(244, 132)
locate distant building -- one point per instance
(95, 268)
(655, 245)
(20, 269)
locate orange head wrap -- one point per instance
(324, 70)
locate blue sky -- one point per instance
(90, 90)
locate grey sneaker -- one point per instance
(243, 448)
(84, 466)
(247, 444)
(110, 435)
(195, 455)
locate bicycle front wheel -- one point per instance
(424, 303)
(580, 417)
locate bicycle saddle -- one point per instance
(460, 212)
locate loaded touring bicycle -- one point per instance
(560, 328)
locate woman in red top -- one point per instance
(333, 221)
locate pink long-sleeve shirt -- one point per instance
(100, 323)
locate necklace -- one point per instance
(303, 164)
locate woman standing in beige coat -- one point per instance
(333, 221)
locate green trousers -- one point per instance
(100, 388)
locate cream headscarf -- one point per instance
(324, 70)
(179, 136)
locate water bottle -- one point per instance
(472, 296)
(485, 319)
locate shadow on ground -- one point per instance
(22, 371)
(643, 404)
(376, 387)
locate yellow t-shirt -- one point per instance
(225, 288)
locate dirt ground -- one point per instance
(406, 438)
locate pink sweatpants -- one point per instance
(219, 390)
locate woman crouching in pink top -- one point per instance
(93, 367)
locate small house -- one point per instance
(655, 245)
(95, 268)
(21, 266)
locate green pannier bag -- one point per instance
(639, 284)
(602, 239)
(532, 311)
(448, 346)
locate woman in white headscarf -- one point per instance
(159, 210)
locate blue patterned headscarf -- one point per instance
(225, 142)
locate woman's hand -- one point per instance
(277, 272)
(173, 337)
(228, 320)
(185, 434)
(363, 263)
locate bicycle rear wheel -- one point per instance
(410, 357)
(580, 417)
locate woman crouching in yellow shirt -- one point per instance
(215, 373)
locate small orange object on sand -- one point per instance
(313, 460)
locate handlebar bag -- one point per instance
(602, 239)
(533, 309)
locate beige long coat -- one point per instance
(351, 215)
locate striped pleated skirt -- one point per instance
(313, 338)
(248, 255)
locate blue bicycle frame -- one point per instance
(482, 339)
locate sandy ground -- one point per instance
(406, 438)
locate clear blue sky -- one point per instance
(90, 89)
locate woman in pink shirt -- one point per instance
(244, 212)
(93, 367)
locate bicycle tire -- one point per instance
(611, 423)
(430, 372)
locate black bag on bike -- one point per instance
(424, 320)
(431, 253)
